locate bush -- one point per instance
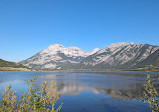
(34, 100)
(151, 95)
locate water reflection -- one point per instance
(123, 87)
(134, 93)
(131, 91)
(87, 92)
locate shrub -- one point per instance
(151, 95)
(34, 100)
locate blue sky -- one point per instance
(29, 26)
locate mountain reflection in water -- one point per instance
(74, 86)
(88, 92)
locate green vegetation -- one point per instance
(151, 68)
(34, 100)
(148, 68)
(4, 63)
(151, 95)
(12, 66)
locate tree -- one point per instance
(34, 100)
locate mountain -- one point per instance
(6, 65)
(57, 56)
(152, 59)
(122, 56)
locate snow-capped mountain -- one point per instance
(57, 56)
(69, 51)
(120, 56)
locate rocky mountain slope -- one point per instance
(152, 59)
(116, 56)
(121, 56)
(57, 56)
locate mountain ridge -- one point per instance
(11, 66)
(57, 56)
(121, 55)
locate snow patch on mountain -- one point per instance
(118, 55)
(57, 55)
(69, 51)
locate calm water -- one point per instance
(88, 92)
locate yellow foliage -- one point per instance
(34, 100)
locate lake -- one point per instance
(88, 91)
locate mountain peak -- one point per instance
(55, 46)
(115, 46)
(56, 56)
(120, 55)
(74, 48)
(96, 49)
(120, 44)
